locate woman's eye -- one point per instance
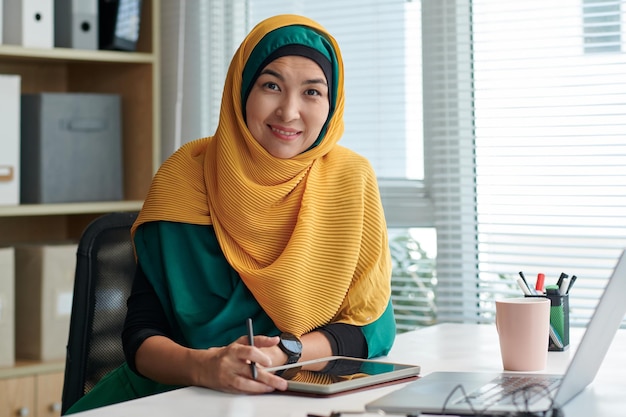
(271, 85)
(312, 92)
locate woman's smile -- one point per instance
(285, 133)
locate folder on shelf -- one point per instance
(76, 24)
(10, 139)
(7, 307)
(44, 284)
(1, 9)
(29, 23)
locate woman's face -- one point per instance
(288, 106)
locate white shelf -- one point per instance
(69, 208)
(73, 55)
(27, 368)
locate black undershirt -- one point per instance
(145, 318)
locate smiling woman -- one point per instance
(288, 106)
(268, 219)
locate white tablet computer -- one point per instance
(342, 374)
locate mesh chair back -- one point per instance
(105, 267)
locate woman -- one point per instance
(268, 219)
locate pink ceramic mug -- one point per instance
(523, 326)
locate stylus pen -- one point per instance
(251, 343)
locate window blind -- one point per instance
(198, 39)
(449, 151)
(545, 120)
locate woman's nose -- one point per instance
(288, 109)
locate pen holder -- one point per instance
(559, 320)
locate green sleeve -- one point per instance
(381, 333)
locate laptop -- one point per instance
(470, 393)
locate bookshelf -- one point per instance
(135, 76)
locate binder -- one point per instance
(1, 8)
(44, 283)
(29, 23)
(76, 24)
(119, 22)
(10, 139)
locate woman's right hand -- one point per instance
(228, 368)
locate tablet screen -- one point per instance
(343, 374)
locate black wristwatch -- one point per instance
(292, 346)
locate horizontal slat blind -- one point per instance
(525, 144)
(449, 155)
(197, 42)
(550, 126)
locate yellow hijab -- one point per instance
(307, 235)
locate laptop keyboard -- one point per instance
(512, 390)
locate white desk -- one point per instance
(444, 347)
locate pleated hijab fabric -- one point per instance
(307, 235)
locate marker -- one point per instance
(564, 286)
(561, 278)
(523, 286)
(541, 278)
(251, 343)
(556, 315)
(571, 283)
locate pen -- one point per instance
(564, 286)
(251, 343)
(521, 274)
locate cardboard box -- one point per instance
(10, 139)
(7, 310)
(44, 287)
(71, 148)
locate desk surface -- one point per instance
(444, 347)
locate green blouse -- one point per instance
(203, 312)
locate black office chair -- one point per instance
(105, 267)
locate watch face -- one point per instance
(291, 343)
